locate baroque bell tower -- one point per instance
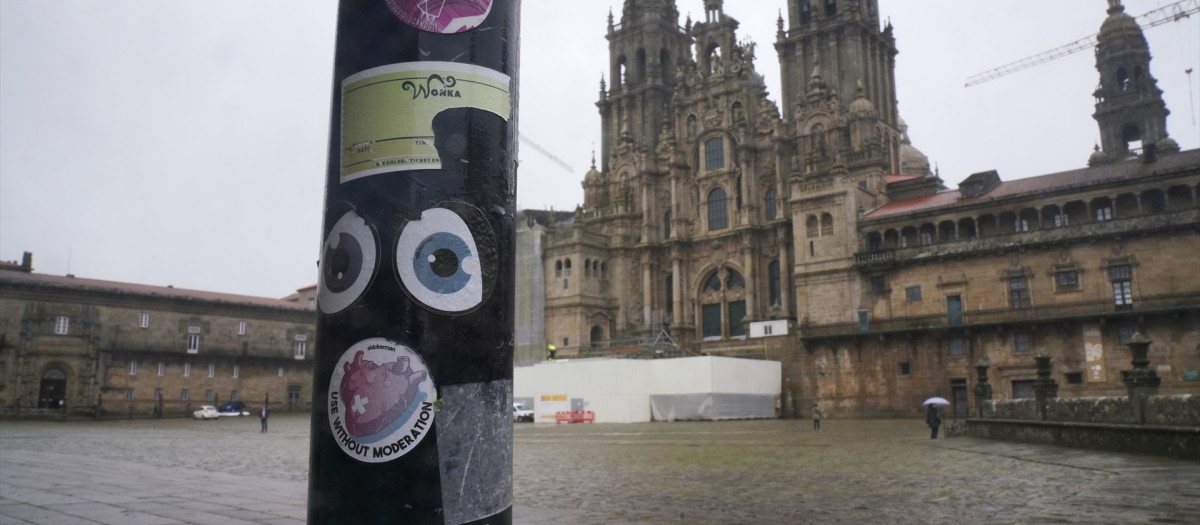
(1129, 104)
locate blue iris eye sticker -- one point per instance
(348, 259)
(445, 264)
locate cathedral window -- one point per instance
(604, 270)
(774, 284)
(812, 227)
(714, 153)
(1018, 292)
(667, 225)
(670, 296)
(641, 64)
(567, 267)
(826, 224)
(830, 7)
(1103, 209)
(587, 267)
(558, 268)
(769, 205)
(718, 216)
(713, 284)
(737, 312)
(817, 139)
(1122, 79)
(805, 11)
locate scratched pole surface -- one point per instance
(412, 388)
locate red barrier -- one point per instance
(575, 416)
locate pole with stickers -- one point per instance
(412, 383)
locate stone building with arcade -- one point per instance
(104, 348)
(810, 230)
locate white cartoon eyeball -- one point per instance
(440, 264)
(348, 259)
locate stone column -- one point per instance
(1142, 382)
(983, 390)
(1045, 387)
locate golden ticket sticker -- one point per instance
(388, 111)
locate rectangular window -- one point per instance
(281, 371)
(925, 238)
(233, 395)
(565, 284)
(1022, 342)
(1018, 293)
(912, 294)
(1122, 284)
(566, 341)
(905, 368)
(187, 370)
(1022, 225)
(62, 325)
(237, 371)
(711, 316)
(956, 346)
(143, 320)
(1074, 378)
(737, 312)
(1060, 220)
(212, 370)
(183, 395)
(1104, 214)
(878, 284)
(158, 394)
(714, 153)
(133, 367)
(718, 213)
(1125, 333)
(241, 329)
(208, 395)
(128, 393)
(299, 349)
(193, 344)
(161, 367)
(1067, 279)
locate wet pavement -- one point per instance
(753, 472)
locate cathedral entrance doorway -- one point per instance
(53, 389)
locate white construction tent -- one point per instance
(642, 390)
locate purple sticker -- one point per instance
(441, 16)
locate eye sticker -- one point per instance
(447, 260)
(348, 260)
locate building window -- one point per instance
(714, 153)
(711, 315)
(212, 370)
(1122, 285)
(1104, 213)
(558, 268)
(912, 294)
(1018, 292)
(566, 341)
(161, 367)
(956, 346)
(1067, 279)
(667, 225)
(193, 344)
(905, 368)
(237, 371)
(158, 394)
(1022, 342)
(183, 395)
(769, 205)
(241, 329)
(128, 393)
(878, 284)
(299, 348)
(281, 371)
(718, 217)
(1074, 378)
(133, 367)
(925, 237)
(208, 395)
(737, 312)
(1125, 333)
(62, 325)
(774, 284)
(565, 282)
(187, 370)
(143, 320)
(233, 395)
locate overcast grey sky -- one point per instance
(184, 143)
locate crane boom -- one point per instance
(1159, 16)
(548, 155)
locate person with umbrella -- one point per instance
(931, 414)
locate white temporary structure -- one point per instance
(637, 390)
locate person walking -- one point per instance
(816, 413)
(932, 419)
(263, 418)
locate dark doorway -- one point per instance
(53, 389)
(954, 312)
(958, 391)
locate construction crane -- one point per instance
(549, 155)
(1169, 13)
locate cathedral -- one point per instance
(809, 230)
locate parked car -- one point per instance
(233, 408)
(206, 412)
(522, 414)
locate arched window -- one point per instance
(714, 153)
(769, 205)
(604, 270)
(641, 64)
(812, 227)
(558, 267)
(596, 335)
(587, 267)
(728, 301)
(718, 216)
(774, 284)
(667, 225)
(670, 297)
(713, 283)
(826, 224)
(567, 267)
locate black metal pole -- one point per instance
(412, 382)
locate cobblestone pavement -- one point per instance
(753, 472)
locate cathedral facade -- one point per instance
(810, 230)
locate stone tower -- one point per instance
(1129, 104)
